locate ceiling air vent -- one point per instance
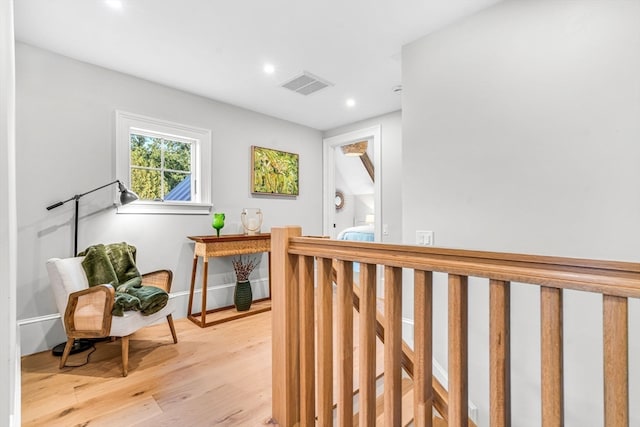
(306, 83)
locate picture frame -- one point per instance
(274, 172)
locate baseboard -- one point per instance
(42, 333)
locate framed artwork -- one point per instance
(274, 172)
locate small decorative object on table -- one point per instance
(243, 296)
(251, 220)
(218, 222)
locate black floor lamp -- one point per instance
(126, 196)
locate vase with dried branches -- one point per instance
(243, 296)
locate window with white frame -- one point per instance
(167, 164)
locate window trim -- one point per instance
(126, 123)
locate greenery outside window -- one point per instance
(161, 166)
(167, 164)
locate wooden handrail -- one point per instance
(613, 278)
(292, 261)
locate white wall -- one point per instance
(10, 366)
(65, 134)
(344, 217)
(391, 168)
(364, 205)
(521, 129)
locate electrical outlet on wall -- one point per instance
(424, 238)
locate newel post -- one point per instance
(285, 328)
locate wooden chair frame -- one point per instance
(99, 300)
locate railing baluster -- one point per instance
(367, 358)
(345, 342)
(307, 342)
(458, 351)
(551, 357)
(392, 346)
(285, 382)
(500, 353)
(422, 344)
(616, 361)
(325, 342)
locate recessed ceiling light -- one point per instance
(269, 68)
(351, 102)
(114, 4)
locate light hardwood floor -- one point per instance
(217, 376)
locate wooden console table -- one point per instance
(226, 245)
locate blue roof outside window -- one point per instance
(181, 192)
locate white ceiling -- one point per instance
(217, 49)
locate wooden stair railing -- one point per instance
(440, 397)
(294, 311)
(407, 397)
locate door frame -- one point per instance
(371, 134)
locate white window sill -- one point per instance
(166, 208)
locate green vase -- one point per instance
(218, 222)
(242, 296)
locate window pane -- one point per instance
(146, 184)
(145, 151)
(177, 156)
(178, 186)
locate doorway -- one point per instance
(361, 208)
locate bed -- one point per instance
(360, 233)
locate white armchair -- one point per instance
(86, 310)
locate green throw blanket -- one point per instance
(115, 264)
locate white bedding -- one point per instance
(363, 233)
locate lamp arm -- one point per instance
(77, 196)
(96, 189)
(57, 204)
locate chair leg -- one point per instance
(173, 329)
(65, 353)
(125, 356)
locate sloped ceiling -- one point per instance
(351, 175)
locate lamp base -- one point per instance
(79, 346)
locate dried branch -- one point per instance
(244, 268)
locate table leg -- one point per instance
(193, 285)
(203, 316)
